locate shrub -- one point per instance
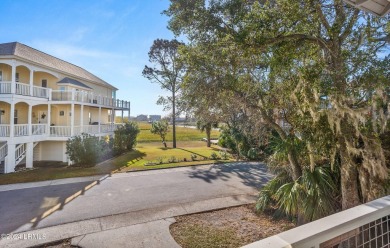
(214, 156)
(224, 155)
(193, 157)
(160, 160)
(126, 137)
(83, 150)
(172, 159)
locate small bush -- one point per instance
(214, 156)
(172, 159)
(224, 155)
(83, 150)
(193, 157)
(125, 137)
(160, 160)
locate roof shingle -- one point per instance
(31, 54)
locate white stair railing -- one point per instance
(20, 153)
(3, 152)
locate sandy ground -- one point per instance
(232, 227)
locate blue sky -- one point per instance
(110, 38)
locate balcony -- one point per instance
(57, 131)
(64, 95)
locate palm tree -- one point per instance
(206, 126)
(313, 195)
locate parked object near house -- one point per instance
(44, 101)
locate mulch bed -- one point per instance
(231, 227)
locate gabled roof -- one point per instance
(36, 56)
(73, 82)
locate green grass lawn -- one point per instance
(134, 160)
(182, 134)
(153, 152)
(149, 149)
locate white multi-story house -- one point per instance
(44, 101)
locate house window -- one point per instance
(17, 76)
(44, 83)
(15, 117)
(113, 94)
(62, 113)
(1, 76)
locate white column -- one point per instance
(11, 120)
(100, 117)
(122, 115)
(29, 120)
(29, 154)
(10, 159)
(48, 118)
(81, 117)
(31, 82)
(72, 119)
(13, 76)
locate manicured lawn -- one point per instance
(182, 134)
(154, 152)
(134, 160)
(54, 171)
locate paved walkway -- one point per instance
(142, 198)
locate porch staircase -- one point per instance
(3, 154)
(20, 154)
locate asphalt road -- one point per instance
(128, 192)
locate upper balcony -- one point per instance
(76, 96)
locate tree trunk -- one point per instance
(174, 118)
(208, 134)
(349, 181)
(296, 168)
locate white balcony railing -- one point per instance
(40, 92)
(60, 131)
(62, 95)
(4, 130)
(91, 129)
(367, 225)
(20, 130)
(38, 129)
(22, 89)
(5, 87)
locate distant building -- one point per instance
(142, 118)
(153, 118)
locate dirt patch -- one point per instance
(232, 227)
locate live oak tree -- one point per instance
(161, 128)
(167, 71)
(321, 66)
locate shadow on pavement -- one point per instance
(252, 174)
(31, 205)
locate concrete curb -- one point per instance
(85, 227)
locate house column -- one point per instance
(11, 120)
(81, 117)
(29, 154)
(29, 122)
(13, 76)
(100, 119)
(31, 82)
(72, 120)
(48, 118)
(10, 159)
